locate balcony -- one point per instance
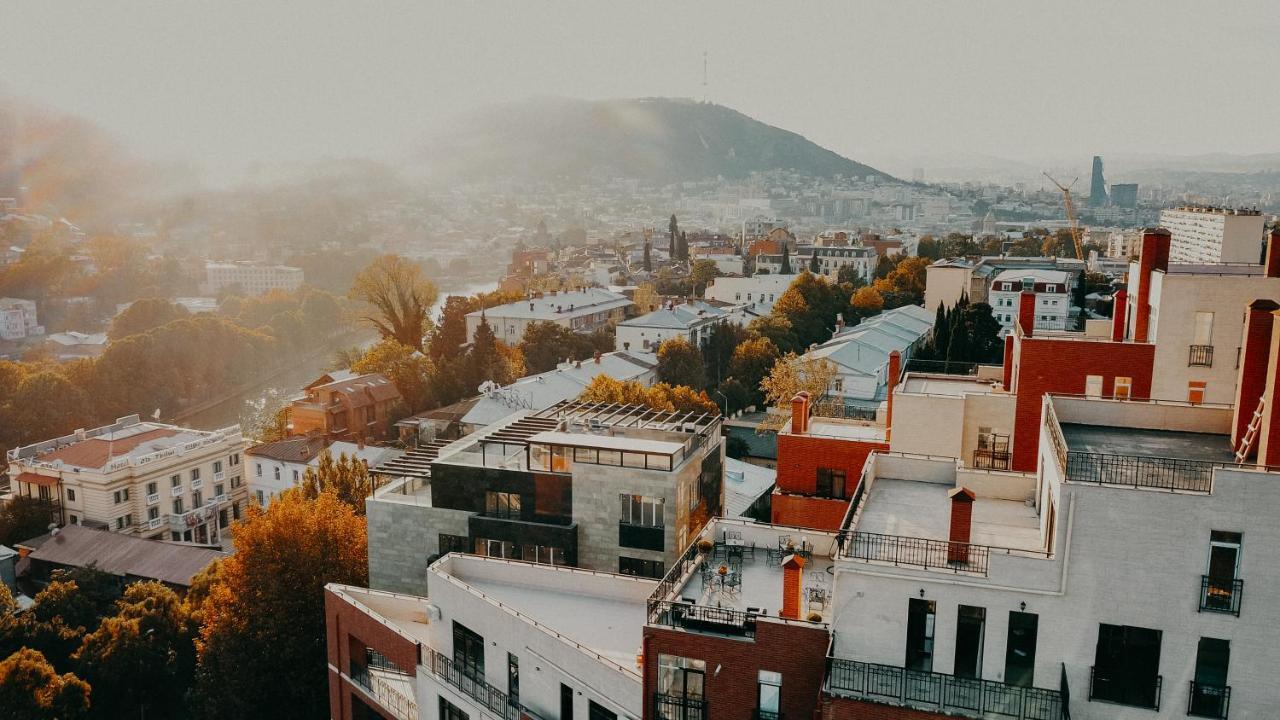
(153, 498)
(390, 686)
(219, 499)
(992, 452)
(1123, 688)
(154, 523)
(1221, 595)
(918, 552)
(703, 618)
(676, 707)
(1161, 473)
(475, 688)
(175, 491)
(641, 537)
(936, 692)
(766, 715)
(1208, 701)
(1200, 356)
(197, 483)
(219, 476)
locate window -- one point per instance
(195, 474)
(468, 651)
(596, 711)
(1209, 690)
(235, 481)
(197, 499)
(71, 495)
(1126, 667)
(1203, 331)
(152, 488)
(920, 619)
(45, 493)
(830, 483)
(235, 510)
(261, 497)
(217, 467)
(641, 568)
(1195, 391)
(258, 469)
(502, 504)
(641, 510)
(153, 513)
(223, 520)
(681, 677)
(1124, 387)
(276, 472)
(1093, 386)
(970, 626)
(177, 506)
(295, 476)
(513, 680)
(175, 481)
(768, 694)
(496, 548)
(1051, 287)
(566, 702)
(218, 489)
(73, 519)
(119, 495)
(1020, 649)
(235, 459)
(449, 711)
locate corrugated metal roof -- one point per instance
(122, 554)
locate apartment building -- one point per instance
(692, 321)
(250, 278)
(139, 478)
(18, 319)
(344, 406)
(582, 311)
(616, 488)
(860, 354)
(1052, 291)
(1214, 234)
(831, 260)
(756, 294)
(274, 467)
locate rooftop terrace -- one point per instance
(922, 509)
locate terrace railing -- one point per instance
(1141, 471)
(942, 367)
(1221, 595)
(1209, 701)
(477, 688)
(1200, 356)
(918, 552)
(966, 697)
(676, 707)
(721, 621)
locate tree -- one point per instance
(604, 389)
(546, 344)
(46, 404)
(269, 603)
(399, 297)
(701, 273)
(143, 315)
(777, 329)
(718, 350)
(682, 247)
(451, 334)
(751, 363)
(491, 360)
(674, 229)
(409, 370)
(680, 363)
(736, 448)
(793, 374)
(815, 266)
(23, 517)
(347, 478)
(30, 689)
(648, 257)
(785, 268)
(865, 303)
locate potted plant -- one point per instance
(815, 617)
(705, 546)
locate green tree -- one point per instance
(144, 315)
(815, 266)
(268, 602)
(717, 353)
(785, 267)
(751, 363)
(680, 363)
(347, 477)
(673, 228)
(777, 329)
(23, 517)
(30, 689)
(398, 296)
(46, 404)
(701, 273)
(451, 334)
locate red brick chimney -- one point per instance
(1271, 262)
(839, 323)
(792, 586)
(1119, 308)
(961, 524)
(1027, 311)
(895, 370)
(1255, 355)
(800, 413)
(1269, 432)
(597, 357)
(1008, 361)
(1154, 256)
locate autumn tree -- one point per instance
(30, 689)
(347, 477)
(777, 329)
(865, 303)
(144, 315)
(409, 370)
(399, 298)
(791, 375)
(680, 363)
(661, 396)
(269, 603)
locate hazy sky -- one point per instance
(227, 83)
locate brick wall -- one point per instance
(848, 709)
(348, 630)
(796, 651)
(800, 456)
(807, 512)
(1046, 365)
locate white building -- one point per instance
(945, 281)
(250, 278)
(692, 321)
(756, 294)
(1053, 297)
(860, 353)
(1213, 235)
(142, 478)
(582, 311)
(277, 466)
(18, 319)
(831, 260)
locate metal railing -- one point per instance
(1054, 430)
(1103, 686)
(1138, 471)
(760, 714)
(687, 563)
(967, 697)
(918, 552)
(1221, 595)
(1200, 356)
(476, 688)
(721, 621)
(375, 680)
(1209, 701)
(676, 707)
(942, 367)
(992, 459)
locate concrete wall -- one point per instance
(403, 536)
(945, 285)
(928, 424)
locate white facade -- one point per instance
(18, 319)
(581, 311)
(692, 321)
(1053, 297)
(1213, 235)
(757, 293)
(831, 261)
(250, 278)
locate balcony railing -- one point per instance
(702, 618)
(992, 459)
(967, 697)
(1209, 701)
(1200, 356)
(154, 523)
(1109, 686)
(942, 367)
(475, 688)
(197, 483)
(175, 491)
(918, 552)
(1136, 471)
(378, 684)
(153, 498)
(766, 714)
(675, 707)
(1221, 595)
(219, 476)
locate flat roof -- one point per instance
(1145, 442)
(919, 509)
(608, 442)
(407, 612)
(844, 429)
(956, 385)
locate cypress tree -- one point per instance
(786, 260)
(813, 262)
(674, 229)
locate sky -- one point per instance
(227, 84)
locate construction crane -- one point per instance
(1076, 233)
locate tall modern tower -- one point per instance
(1098, 185)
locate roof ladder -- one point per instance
(1251, 433)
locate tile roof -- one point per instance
(96, 452)
(295, 450)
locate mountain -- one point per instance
(655, 139)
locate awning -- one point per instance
(35, 479)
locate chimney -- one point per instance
(597, 357)
(895, 370)
(1027, 311)
(961, 524)
(530, 307)
(1119, 310)
(1255, 353)
(1269, 431)
(800, 413)
(1271, 262)
(792, 587)
(1154, 256)
(1008, 361)
(839, 322)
